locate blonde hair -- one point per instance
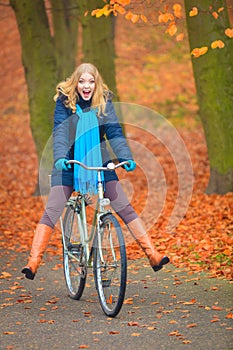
(68, 88)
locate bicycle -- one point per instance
(102, 248)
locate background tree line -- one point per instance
(53, 32)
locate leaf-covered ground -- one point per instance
(153, 72)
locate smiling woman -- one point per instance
(86, 86)
(86, 78)
(84, 118)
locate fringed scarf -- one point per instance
(87, 150)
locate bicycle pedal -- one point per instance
(106, 282)
(75, 247)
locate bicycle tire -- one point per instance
(111, 274)
(74, 257)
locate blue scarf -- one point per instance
(87, 150)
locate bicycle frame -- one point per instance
(100, 247)
(100, 210)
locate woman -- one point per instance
(76, 101)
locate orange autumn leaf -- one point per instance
(128, 15)
(192, 301)
(97, 13)
(106, 10)
(193, 12)
(143, 18)
(229, 32)
(132, 323)
(197, 52)
(217, 44)
(5, 275)
(128, 301)
(110, 299)
(135, 18)
(215, 14)
(177, 10)
(191, 325)
(172, 29)
(216, 308)
(220, 9)
(175, 333)
(119, 9)
(180, 37)
(114, 332)
(124, 2)
(165, 17)
(132, 17)
(227, 251)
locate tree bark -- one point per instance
(98, 42)
(39, 66)
(48, 56)
(213, 73)
(65, 27)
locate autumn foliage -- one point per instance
(164, 13)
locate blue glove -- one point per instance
(61, 164)
(130, 166)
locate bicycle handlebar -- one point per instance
(110, 166)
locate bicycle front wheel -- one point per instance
(110, 266)
(74, 257)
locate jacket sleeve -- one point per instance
(61, 131)
(114, 134)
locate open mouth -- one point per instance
(86, 94)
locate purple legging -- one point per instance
(60, 194)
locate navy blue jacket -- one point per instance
(64, 131)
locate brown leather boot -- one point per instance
(156, 259)
(39, 244)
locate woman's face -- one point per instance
(86, 86)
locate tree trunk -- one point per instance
(39, 66)
(65, 27)
(213, 73)
(98, 42)
(47, 58)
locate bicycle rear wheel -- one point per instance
(110, 266)
(74, 258)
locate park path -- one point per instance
(172, 309)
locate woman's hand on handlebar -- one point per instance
(61, 164)
(130, 166)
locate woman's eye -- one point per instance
(84, 82)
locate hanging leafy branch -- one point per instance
(170, 16)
